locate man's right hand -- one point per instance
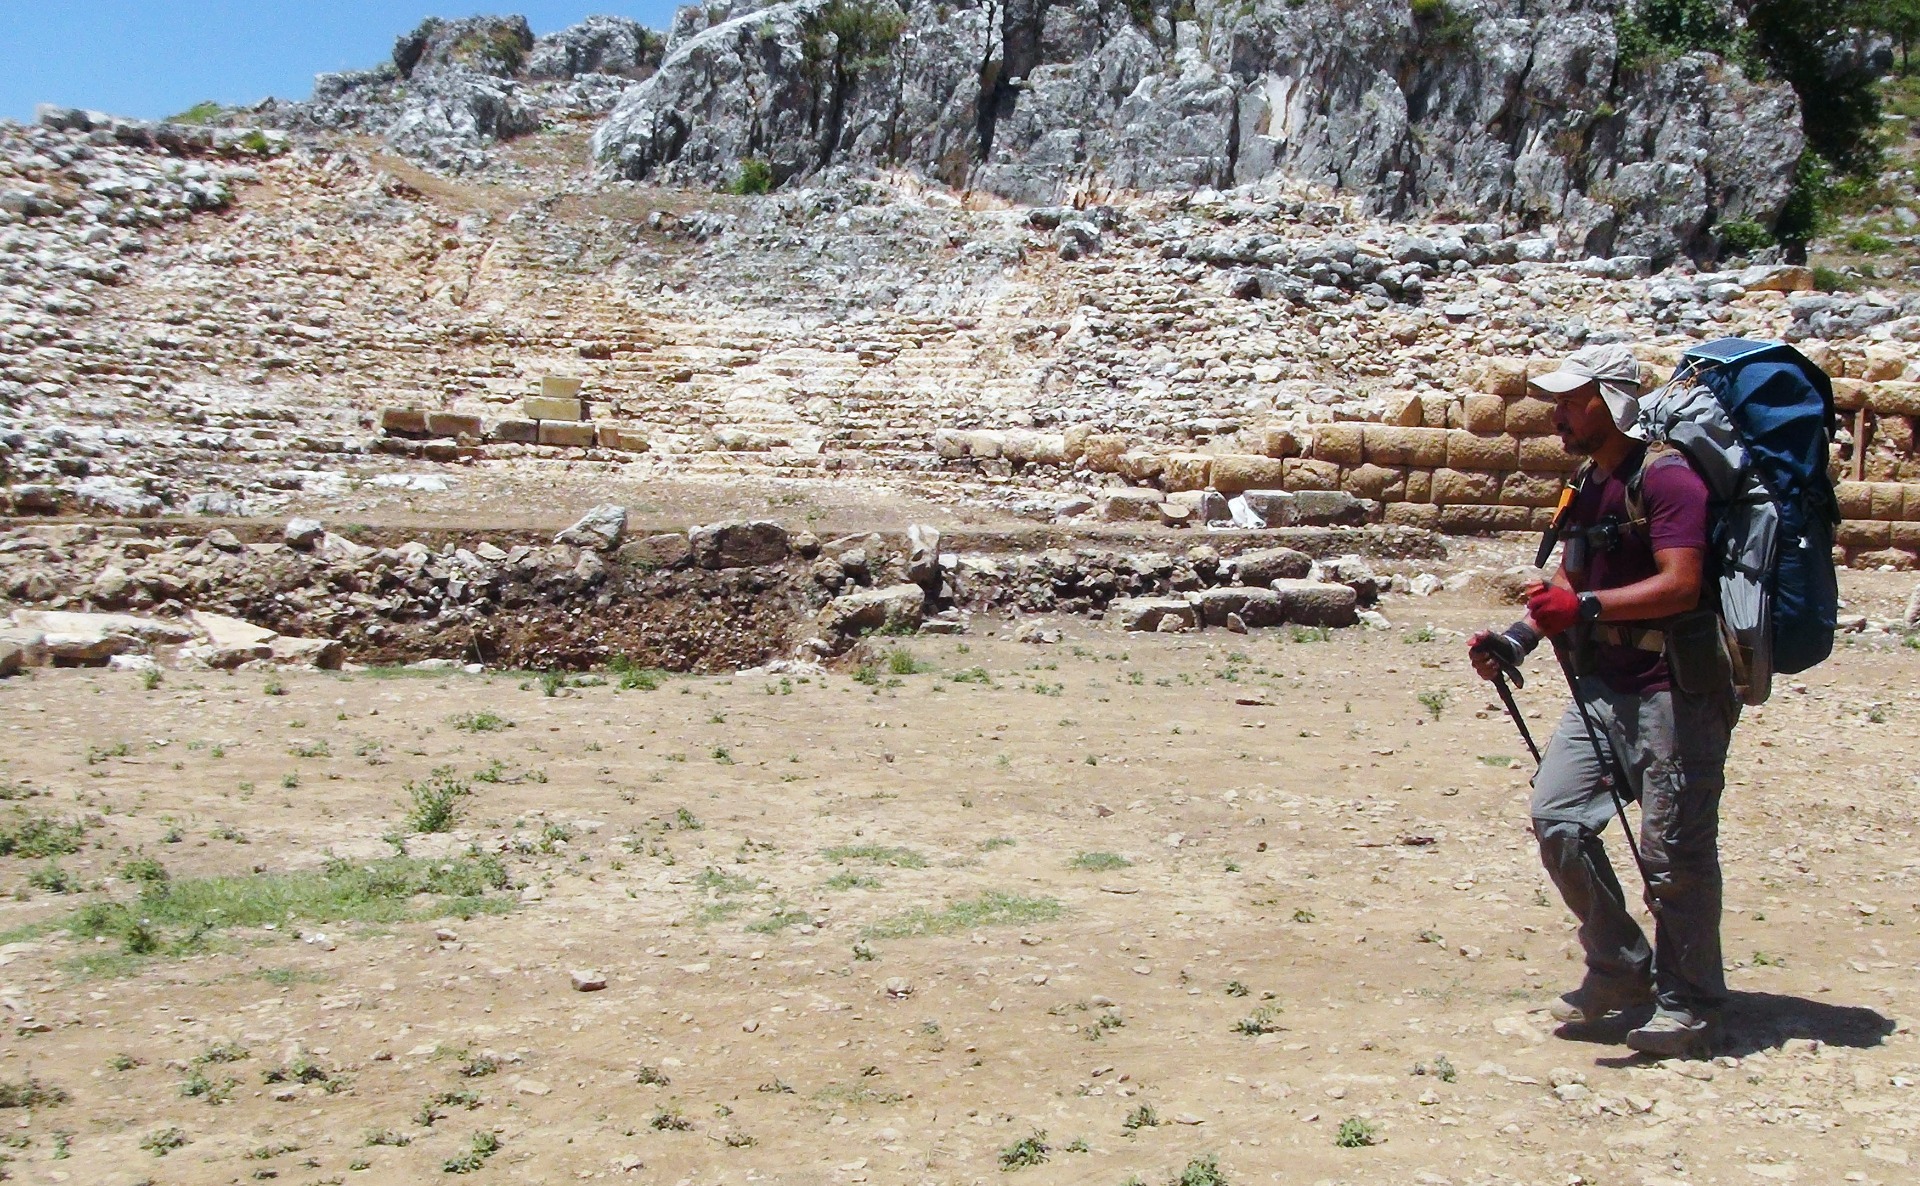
(1493, 652)
(1480, 649)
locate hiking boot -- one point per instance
(1594, 999)
(1676, 1034)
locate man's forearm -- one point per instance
(1659, 596)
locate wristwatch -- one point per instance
(1589, 607)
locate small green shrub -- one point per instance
(481, 722)
(1828, 279)
(755, 177)
(900, 661)
(434, 802)
(1439, 25)
(1027, 1151)
(1099, 862)
(1142, 1116)
(162, 1141)
(1867, 243)
(1355, 1133)
(200, 114)
(483, 1146)
(1742, 236)
(1201, 1171)
(53, 879)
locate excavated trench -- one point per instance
(517, 599)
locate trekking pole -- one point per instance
(1612, 773)
(1513, 710)
(1503, 672)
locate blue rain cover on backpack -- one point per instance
(1781, 406)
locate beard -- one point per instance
(1577, 443)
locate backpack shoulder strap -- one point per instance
(1658, 453)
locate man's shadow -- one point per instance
(1754, 1022)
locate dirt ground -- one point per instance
(1242, 893)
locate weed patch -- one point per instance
(174, 917)
(993, 908)
(24, 835)
(879, 854)
(29, 1093)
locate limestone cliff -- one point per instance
(1514, 109)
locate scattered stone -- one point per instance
(303, 534)
(739, 545)
(587, 981)
(600, 528)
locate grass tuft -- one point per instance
(29, 1093)
(24, 835)
(481, 722)
(1099, 862)
(879, 854)
(993, 908)
(175, 917)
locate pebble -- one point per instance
(587, 981)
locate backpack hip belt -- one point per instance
(1641, 638)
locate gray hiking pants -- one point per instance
(1674, 748)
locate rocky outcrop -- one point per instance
(455, 88)
(597, 45)
(1504, 107)
(483, 44)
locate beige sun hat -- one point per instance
(1613, 367)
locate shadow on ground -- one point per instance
(1755, 1022)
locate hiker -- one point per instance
(1627, 592)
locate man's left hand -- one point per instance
(1553, 608)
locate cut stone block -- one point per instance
(560, 387)
(1467, 450)
(1529, 417)
(1255, 607)
(546, 407)
(1483, 413)
(623, 438)
(453, 424)
(518, 432)
(1376, 481)
(1303, 475)
(1329, 508)
(1263, 566)
(1129, 506)
(1338, 443)
(1453, 487)
(403, 422)
(1239, 472)
(1545, 454)
(1188, 471)
(1317, 603)
(568, 433)
(1274, 507)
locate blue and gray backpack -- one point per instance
(1756, 420)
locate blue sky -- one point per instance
(150, 60)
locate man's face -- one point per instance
(1582, 419)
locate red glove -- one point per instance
(1553, 608)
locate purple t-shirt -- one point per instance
(1675, 501)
